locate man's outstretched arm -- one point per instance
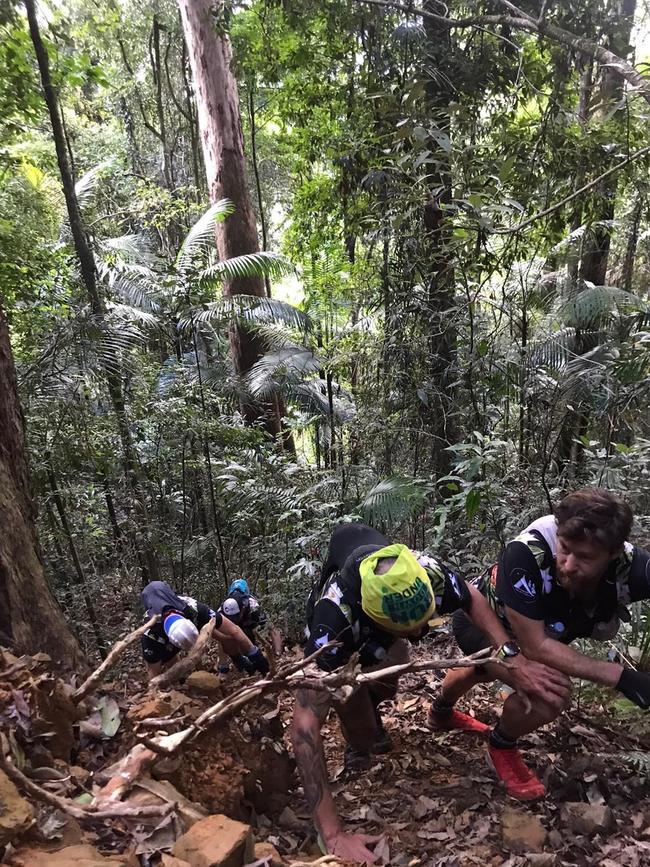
(538, 646)
(309, 714)
(527, 672)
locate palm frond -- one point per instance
(248, 308)
(201, 236)
(289, 363)
(127, 313)
(135, 284)
(134, 247)
(259, 264)
(394, 499)
(87, 184)
(593, 305)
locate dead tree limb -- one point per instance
(114, 654)
(188, 663)
(83, 813)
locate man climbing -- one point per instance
(566, 576)
(242, 609)
(371, 598)
(181, 617)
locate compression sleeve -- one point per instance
(519, 581)
(455, 594)
(330, 624)
(639, 580)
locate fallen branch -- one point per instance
(114, 654)
(295, 677)
(81, 812)
(186, 664)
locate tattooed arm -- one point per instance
(309, 714)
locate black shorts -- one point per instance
(155, 651)
(469, 638)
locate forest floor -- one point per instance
(432, 796)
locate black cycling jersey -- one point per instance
(337, 613)
(158, 598)
(525, 580)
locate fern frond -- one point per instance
(87, 184)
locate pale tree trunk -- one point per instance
(222, 143)
(30, 617)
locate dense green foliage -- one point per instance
(445, 375)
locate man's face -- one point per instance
(580, 564)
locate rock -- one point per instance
(204, 682)
(588, 818)
(151, 708)
(522, 831)
(79, 856)
(267, 852)
(16, 814)
(170, 861)
(216, 842)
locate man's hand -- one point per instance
(540, 681)
(353, 847)
(635, 685)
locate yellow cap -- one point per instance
(400, 600)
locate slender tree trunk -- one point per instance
(223, 155)
(88, 273)
(80, 580)
(437, 236)
(30, 617)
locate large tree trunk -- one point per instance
(223, 154)
(30, 617)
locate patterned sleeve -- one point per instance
(330, 624)
(519, 581)
(449, 589)
(639, 580)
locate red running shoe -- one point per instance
(455, 721)
(519, 781)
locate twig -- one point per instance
(81, 812)
(551, 210)
(188, 663)
(114, 654)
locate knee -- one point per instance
(550, 709)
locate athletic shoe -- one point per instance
(455, 721)
(355, 760)
(519, 781)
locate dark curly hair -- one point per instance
(594, 513)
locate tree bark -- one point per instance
(222, 144)
(30, 617)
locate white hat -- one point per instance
(180, 631)
(230, 607)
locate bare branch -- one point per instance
(114, 654)
(551, 210)
(81, 812)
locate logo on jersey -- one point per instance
(523, 585)
(454, 583)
